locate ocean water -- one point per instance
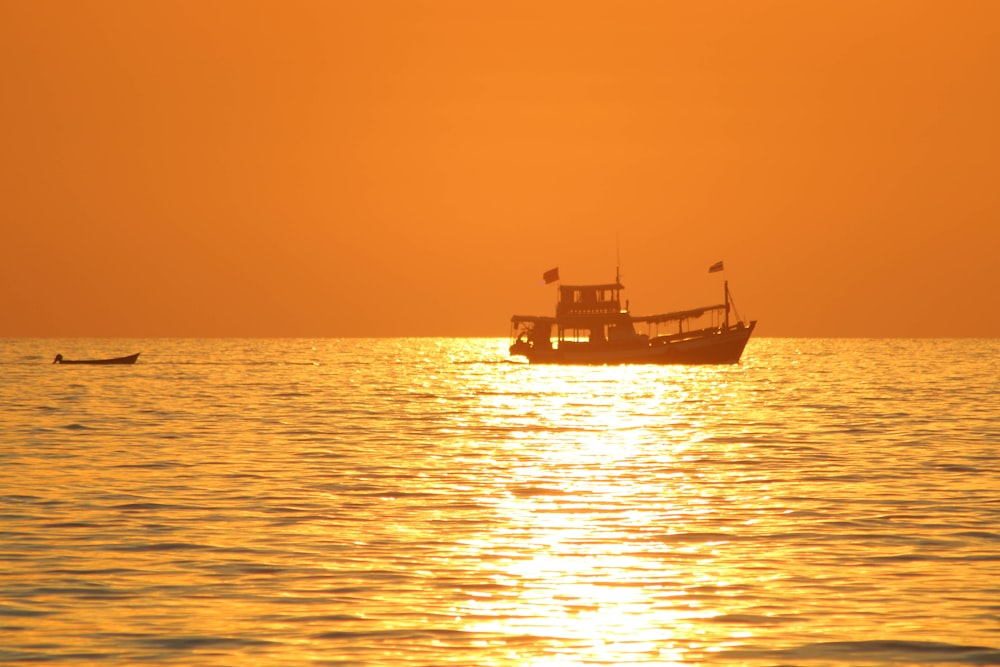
(428, 502)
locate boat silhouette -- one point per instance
(591, 327)
(130, 359)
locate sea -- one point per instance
(429, 501)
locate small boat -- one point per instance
(591, 327)
(130, 359)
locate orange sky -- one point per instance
(216, 168)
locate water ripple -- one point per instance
(425, 501)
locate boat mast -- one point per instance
(726, 284)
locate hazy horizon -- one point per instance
(504, 338)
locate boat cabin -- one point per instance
(589, 300)
(584, 314)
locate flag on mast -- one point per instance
(715, 267)
(551, 276)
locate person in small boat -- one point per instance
(58, 359)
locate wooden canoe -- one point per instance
(130, 359)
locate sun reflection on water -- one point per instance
(599, 550)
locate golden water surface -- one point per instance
(427, 502)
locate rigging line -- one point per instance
(736, 311)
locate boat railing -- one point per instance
(564, 309)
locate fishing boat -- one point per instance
(591, 327)
(130, 359)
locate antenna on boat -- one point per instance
(618, 260)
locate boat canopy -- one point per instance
(694, 313)
(676, 316)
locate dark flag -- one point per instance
(715, 267)
(551, 275)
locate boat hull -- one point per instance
(720, 347)
(130, 359)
